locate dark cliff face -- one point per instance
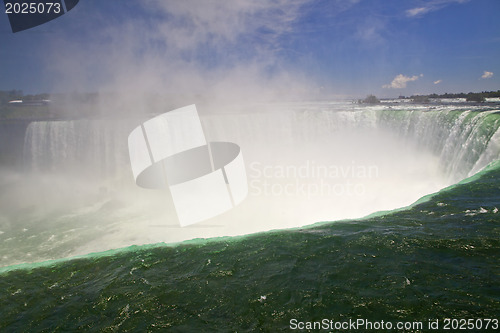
(12, 134)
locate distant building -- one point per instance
(39, 102)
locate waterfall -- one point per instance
(458, 136)
(305, 163)
(463, 139)
(94, 149)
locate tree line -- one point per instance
(471, 96)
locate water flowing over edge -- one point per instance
(474, 133)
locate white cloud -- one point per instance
(221, 49)
(487, 75)
(417, 11)
(430, 6)
(370, 31)
(194, 22)
(437, 81)
(400, 81)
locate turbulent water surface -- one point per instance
(306, 163)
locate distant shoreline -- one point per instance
(86, 106)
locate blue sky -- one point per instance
(338, 48)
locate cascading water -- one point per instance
(306, 162)
(90, 148)
(459, 137)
